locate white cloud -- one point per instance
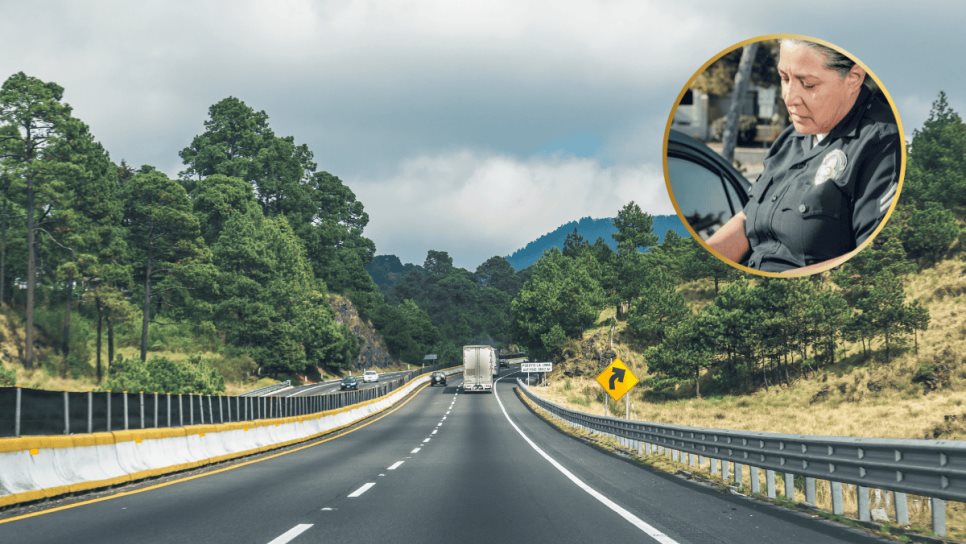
(406, 77)
(384, 91)
(476, 205)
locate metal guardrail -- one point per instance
(33, 412)
(261, 391)
(929, 468)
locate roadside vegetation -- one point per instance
(880, 502)
(913, 395)
(875, 348)
(449, 306)
(110, 272)
(888, 323)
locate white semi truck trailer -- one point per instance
(480, 366)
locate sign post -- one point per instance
(431, 358)
(536, 367)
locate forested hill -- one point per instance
(697, 324)
(250, 256)
(590, 229)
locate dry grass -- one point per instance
(887, 414)
(918, 507)
(236, 369)
(11, 340)
(877, 399)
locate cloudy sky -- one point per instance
(470, 127)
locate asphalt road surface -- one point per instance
(331, 386)
(446, 467)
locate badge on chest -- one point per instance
(833, 165)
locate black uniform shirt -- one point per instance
(813, 203)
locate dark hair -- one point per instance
(834, 60)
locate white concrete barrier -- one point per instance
(37, 467)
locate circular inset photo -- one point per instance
(784, 155)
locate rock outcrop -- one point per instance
(373, 351)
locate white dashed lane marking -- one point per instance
(426, 440)
(361, 490)
(289, 535)
(415, 450)
(395, 465)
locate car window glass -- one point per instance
(700, 194)
(734, 203)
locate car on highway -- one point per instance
(708, 189)
(438, 378)
(349, 382)
(370, 376)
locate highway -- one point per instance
(331, 386)
(445, 467)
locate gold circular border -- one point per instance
(835, 261)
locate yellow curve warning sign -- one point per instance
(617, 379)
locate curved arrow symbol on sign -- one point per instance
(618, 375)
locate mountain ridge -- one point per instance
(590, 229)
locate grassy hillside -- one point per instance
(919, 394)
(916, 395)
(49, 374)
(173, 341)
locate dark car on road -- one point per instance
(708, 190)
(349, 382)
(438, 378)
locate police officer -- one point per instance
(829, 178)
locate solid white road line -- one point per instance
(415, 450)
(361, 490)
(648, 529)
(289, 535)
(395, 465)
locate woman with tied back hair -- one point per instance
(829, 178)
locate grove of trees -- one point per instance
(754, 332)
(445, 307)
(237, 253)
